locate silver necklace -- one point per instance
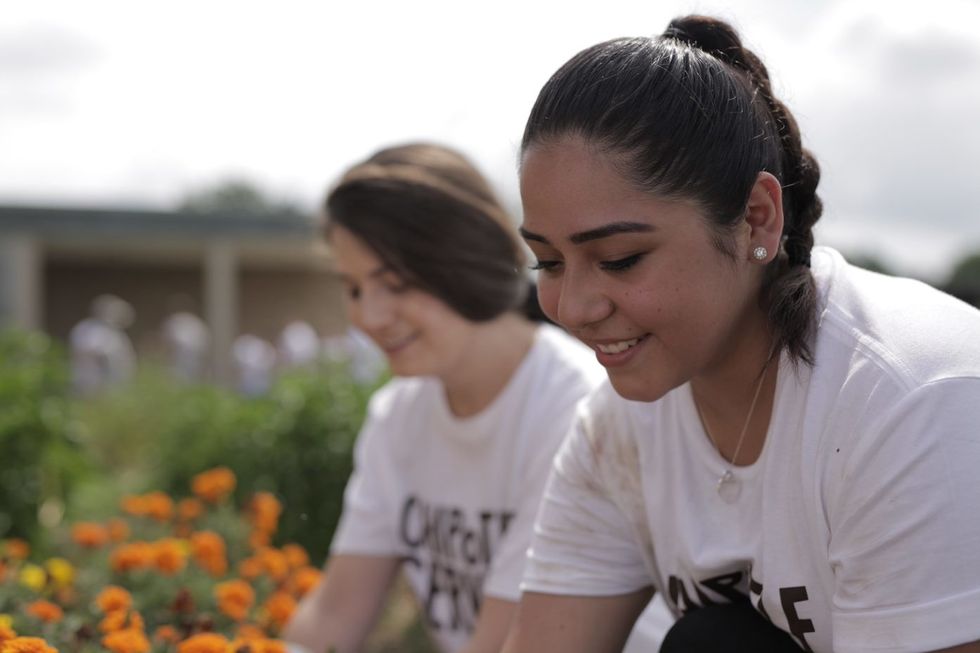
(728, 486)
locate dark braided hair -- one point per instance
(691, 115)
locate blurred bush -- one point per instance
(295, 442)
(39, 460)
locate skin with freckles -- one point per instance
(618, 264)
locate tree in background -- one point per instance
(964, 282)
(235, 196)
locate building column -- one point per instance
(221, 306)
(21, 286)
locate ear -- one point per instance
(764, 217)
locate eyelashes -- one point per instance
(621, 264)
(617, 265)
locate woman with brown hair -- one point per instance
(452, 459)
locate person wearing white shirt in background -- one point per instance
(788, 445)
(185, 339)
(453, 456)
(102, 355)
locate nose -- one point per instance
(375, 309)
(582, 301)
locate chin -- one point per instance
(636, 389)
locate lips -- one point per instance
(393, 345)
(617, 347)
(613, 353)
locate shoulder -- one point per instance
(897, 328)
(399, 395)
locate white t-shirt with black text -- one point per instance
(457, 497)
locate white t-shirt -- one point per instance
(457, 497)
(857, 529)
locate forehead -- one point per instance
(351, 255)
(570, 187)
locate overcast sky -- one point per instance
(136, 103)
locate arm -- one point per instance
(550, 623)
(495, 619)
(340, 611)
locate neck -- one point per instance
(496, 350)
(724, 393)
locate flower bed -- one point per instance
(188, 575)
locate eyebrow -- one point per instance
(611, 229)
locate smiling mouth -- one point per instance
(394, 345)
(618, 347)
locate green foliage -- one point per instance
(38, 458)
(296, 442)
(234, 196)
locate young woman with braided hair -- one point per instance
(787, 448)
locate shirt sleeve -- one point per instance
(543, 439)
(905, 544)
(368, 525)
(583, 544)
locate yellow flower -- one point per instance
(6, 621)
(61, 572)
(33, 577)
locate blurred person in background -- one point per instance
(364, 359)
(254, 360)
(299, 345)
(102, 354)
(185, 340)
(455, 450)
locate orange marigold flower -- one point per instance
(135, 555)
(258, 540)
(279, 608)
(6, 633)
(214, 484)
(208, 549)
(249, 632)
(250, 568)
(46, 611)
(159, 506)
(189, 509)
(89, 534)
(296, 556)
(305, 579)
(130, 640)
(134, 505)
(203, 643)
(114, 598)
(264, 510)
(16, 548)
(118, 529)
(170, 556)
(167, 635)
(27, 645)
(113, 621)
(234, 597)
(274, 563)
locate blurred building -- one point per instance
(248, 273)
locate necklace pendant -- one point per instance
(728, 487)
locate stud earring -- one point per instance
(760, 253)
